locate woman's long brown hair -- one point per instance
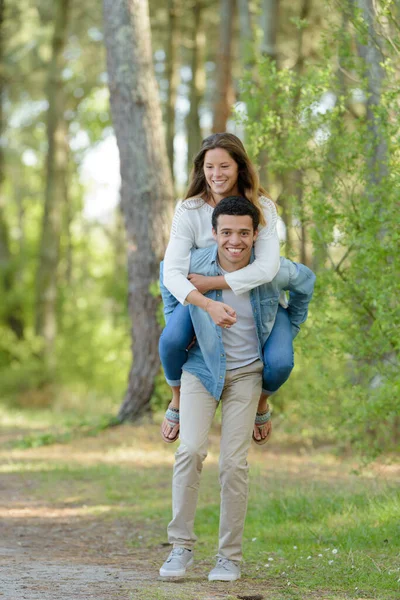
(248, 181)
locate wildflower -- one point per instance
(334, 551)
(270, 559)
(288, 582)
(294, 547)
(253, 539)
(308, 557)
(330, 562)
(266, 565)
(319, 554)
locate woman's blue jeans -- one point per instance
(277, 351)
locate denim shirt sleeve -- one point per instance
(301, 288)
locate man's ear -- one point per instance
(255, 235)
(214, 234)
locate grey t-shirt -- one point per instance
(240, 341)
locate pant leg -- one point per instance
(239, 406)
(278, 353)
(197, 410)
(175, 338)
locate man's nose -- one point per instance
(235, 239)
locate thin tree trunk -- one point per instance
(197, 84)
(57, 162)
(224, 91)
(172, 74)
(297, 174)
(247, 36)
(370, 52)
(12, 314)
(146, 184)
(269, 24)
(269, 20)
(292, 196)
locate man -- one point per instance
(225, 365)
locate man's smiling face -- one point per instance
(235, 237)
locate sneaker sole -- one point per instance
(167, 573)
(223, 577)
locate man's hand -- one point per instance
(222, 314)
(201, 282)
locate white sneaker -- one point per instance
(224, 570)
(177, 563)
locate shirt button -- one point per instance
(220, 377)
(222, 355)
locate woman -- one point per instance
(221, 168)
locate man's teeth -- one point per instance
(235, 250)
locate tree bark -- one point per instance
(146, 184)
(247, 37)
(269, 19)
(370, 52)
(292, 195)
(12, 315)
(57, 162)
(224, 91)
(269, 24)
(197, 84)
(172, 74)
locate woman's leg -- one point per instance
(278, 364)
(174, 340)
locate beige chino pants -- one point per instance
(197, 409)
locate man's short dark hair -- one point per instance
(236, 206)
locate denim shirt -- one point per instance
(206, 359)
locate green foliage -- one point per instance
(347, 380)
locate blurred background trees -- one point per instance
(313, 91)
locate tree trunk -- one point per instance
(269, 23)
(224, 91)
(269, 20)
(12, 315)
(197, 84)
(172, 74)
(297, 175)
(146, 184)
(376, 151)
(57, 161)
(247, 36)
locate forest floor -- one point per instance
(87, 519)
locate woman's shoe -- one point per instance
(172, 419)
(260, 420)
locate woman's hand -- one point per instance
(222, 314)
(201, 282)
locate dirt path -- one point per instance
(48, 552)
(57, 550)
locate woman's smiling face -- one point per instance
(221, 173)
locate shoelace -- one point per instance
(224, 563)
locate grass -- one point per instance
(314, 529)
